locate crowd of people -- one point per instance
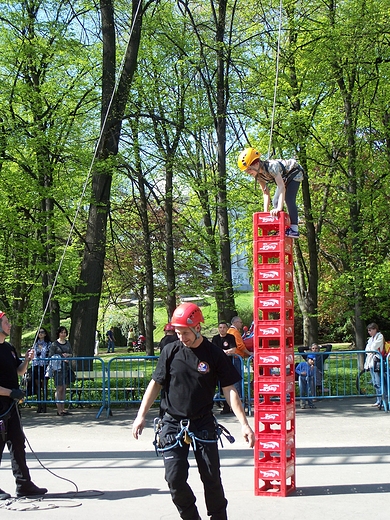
(231, 339)
(49, 360)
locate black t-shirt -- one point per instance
(9, 363)
(169, 338)
(226, 342)
(189, 377)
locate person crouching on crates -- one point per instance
(287, 175)
(308, 373)
(188, 371)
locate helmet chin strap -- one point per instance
(197, 335)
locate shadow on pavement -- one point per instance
(348, 489)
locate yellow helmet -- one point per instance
(247, 157)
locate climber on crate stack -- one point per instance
(287, 174)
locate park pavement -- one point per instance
(342, 467)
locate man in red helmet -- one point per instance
(11, 432)
(169, 336)
(188, 371)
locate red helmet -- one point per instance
(187, 315)
(169, 326)
(141, 337)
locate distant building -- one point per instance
(241, 273)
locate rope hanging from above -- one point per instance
(276, 80)
(103, 126)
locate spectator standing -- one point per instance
(41, 351)
(169, 336)
(235, 328)
(62, 373)
(10, 368)
(227, 342)
(188, 370)
(130, 337)
(320, 360)
(110, 340)
(306, 371)
(372, 362)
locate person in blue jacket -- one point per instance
(307, 372)
(321, 357)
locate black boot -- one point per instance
(29, 489)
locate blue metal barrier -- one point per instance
(249, 384)
(128, 377)
(343, 376)
(123, 380)
(87, 377)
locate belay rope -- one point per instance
(3, 421)
(276, 79)
(185, 436)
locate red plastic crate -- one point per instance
(274, 378)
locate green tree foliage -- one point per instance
(204, 88)
(46, 98)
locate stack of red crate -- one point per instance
(274, 379)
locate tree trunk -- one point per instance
(227, 305)
(306, 279)
(147, 247)
(86, 303)
(169, 249)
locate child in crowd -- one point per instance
(308, 373)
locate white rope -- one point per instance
(276, 79)
(118, 76)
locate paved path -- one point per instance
(342, 470)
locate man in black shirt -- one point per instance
(188, 371)
(11, 432)
(227, 342)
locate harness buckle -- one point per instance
(184, 425)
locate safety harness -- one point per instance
(186, 436)
(287, 175)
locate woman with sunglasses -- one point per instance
(39, 381)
